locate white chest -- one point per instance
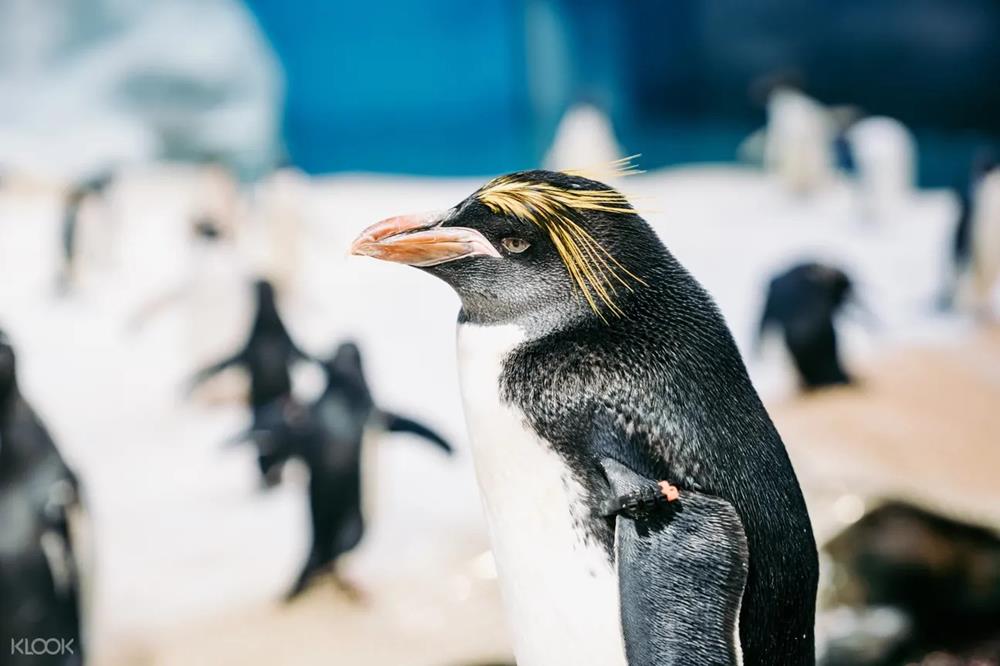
(561, 593)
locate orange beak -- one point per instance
(419, 240)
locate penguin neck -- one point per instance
(541, 319)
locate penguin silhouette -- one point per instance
(267, 355)
(335, 437)
(977, 237)
(70, 227)
(803, 302)
(39, 579)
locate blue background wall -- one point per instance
(458, 87)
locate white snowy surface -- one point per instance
(179, 527)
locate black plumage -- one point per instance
(687, 605)
(39, 578)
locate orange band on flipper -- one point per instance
(670, 492)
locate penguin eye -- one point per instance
(515, 244)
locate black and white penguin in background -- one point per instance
(588, 354)
(39, 578)
(268, 356)
(72, 227)
(976, 249)
(336, 438)
(804, 302)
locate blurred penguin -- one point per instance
(81, 238)
(336, 437)
(267, 355)
(276, 242)
(977, 239)
(212, 294)
(39, 495)
(884, 153)
(217, 302)
(934, 581)
(217, 195)
(585, 138)
(799, 139)
(803, 302)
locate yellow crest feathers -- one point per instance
(619, 168)
(556, 210)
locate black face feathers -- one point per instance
(556, 203)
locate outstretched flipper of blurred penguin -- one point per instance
(267, 355)
(400, 424)
(345, 370)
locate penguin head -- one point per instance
(345, 361)
(527, 243)
(815, 284)
(835, 283)
(344, 370)
(267, 316)
(264, 292)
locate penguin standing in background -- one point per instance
(977, 238)
(585, 135)
(215, 294)
(73, 204)
(885, 155)
(39, 581)
(267, 355)
(217, 195)
(335, 438)
(798, 144)
(584, 349)
(961, 240)
(277, 228)
(212, 294)
(803, 301)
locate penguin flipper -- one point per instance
(682, 568)
(396, 423)
(210, 371)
